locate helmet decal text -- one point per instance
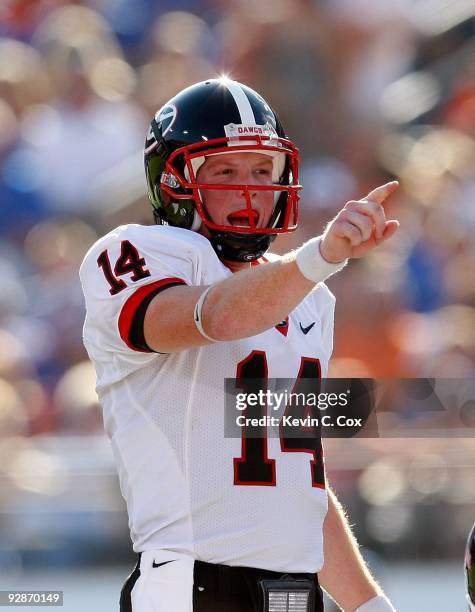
(233, 130)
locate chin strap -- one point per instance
(196, 224)
(240, 247)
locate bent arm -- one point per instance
(247, 303)
(256, 299)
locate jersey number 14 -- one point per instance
(254, 467)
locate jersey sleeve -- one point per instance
(125, 270)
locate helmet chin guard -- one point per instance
(231, 246)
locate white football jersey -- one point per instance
(258, 503)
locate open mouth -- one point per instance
(243, 218)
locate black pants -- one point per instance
(235, 589)
(221, 588)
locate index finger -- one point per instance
(382, 192)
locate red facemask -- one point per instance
(284, 218)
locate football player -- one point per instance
(174, 309)
(470, 570)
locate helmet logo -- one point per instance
(169, 179)
(233, 130)
(165, 118)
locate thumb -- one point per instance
(389, 230)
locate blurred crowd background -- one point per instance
(370, 90)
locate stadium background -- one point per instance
(369, 90)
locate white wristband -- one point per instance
(311, 263)
(197, 316)
(380, 603)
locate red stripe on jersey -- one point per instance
(283, 326)
(129, 309)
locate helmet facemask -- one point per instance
(180, 187)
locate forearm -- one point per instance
(254, 300)
(245, 304)
(344, 574)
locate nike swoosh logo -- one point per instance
(163, 563)
(305, 330)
